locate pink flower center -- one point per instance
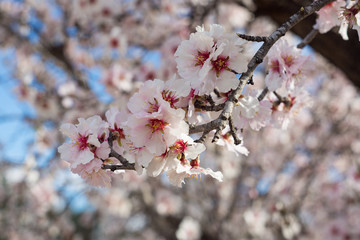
(118, 131)
(157, 125)
(106, 12)
(289, 60)
(357, 176)
(170, 97)
(81, 142)
(195, 163)
(114, 43)
(179, 146)
(335, 231)
(226, 137)
(153, 107)
(349, 15)
(201, 57)
(221, 63)
(275, 66)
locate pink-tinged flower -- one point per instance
(189, 229)
(148, 99)
(117, 121)
(193, 59)
(155, 93)
(183, 149)
(350, 18)
(85, 140)
(157, 131)
(227, 140)
(167, 203)
(328, 16)
(251, 111)
(138, 155)
(207, 58)
(155, 122)
(93, 174)
(276, 73)
(286, 109)
(285, 65)
(118, 79)
(190, 170)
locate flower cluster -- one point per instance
(287, 72)
(209, 58)
(339, 13)
(152, 134)
(285, 66)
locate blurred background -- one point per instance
(61, 60)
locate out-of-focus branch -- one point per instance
(55, 53)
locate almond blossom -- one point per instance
(85, 141)
(228, 141)
(183, 149)
(285, 65)
(208, 59)
(288, 107)
(89, 145)
(328, 16)
(155, 122)
(190, 169)
(252, 112)
(350, 18)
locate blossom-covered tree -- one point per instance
(183, 119)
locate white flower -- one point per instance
(207, 59)
(189, 229)
(177, 176)
(183, 149)
(84, 138)
(251, 111)
(350, 18)
(328, 16)
(285, 65)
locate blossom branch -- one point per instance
(237, 140)
(113, 168)
(125, 163)
(212, 108)
(258, 58)
(252, 38)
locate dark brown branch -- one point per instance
(252, 38)
(203, 137)
(125, 163)
(309, 37)
(237, 140)
(213, 108)
(263, 94)
(119, 167)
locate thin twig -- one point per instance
(237, 140)
(125, 163)
(263, 94)
(252, 38)
(213, 108)
(309, 37)
(119, 167)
